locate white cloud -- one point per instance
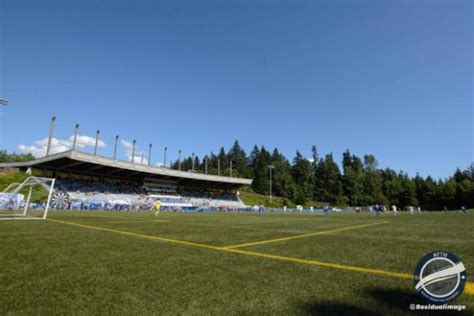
(38, 149)
(84, 141)
(128, 146)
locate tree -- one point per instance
(353, 180)
(373, 181)
(465, 193)
(370, 163)
(329, 182)
(260, 164)
(315, 156)
(469, 172)
(239, 160)
(224, 162)
(252, 161)
(283, 184)
(407, 196)
(303, 177)
(391, 186)
(447, 193)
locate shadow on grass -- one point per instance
(400, 300)
(395, 298)
(386, 301)
(334, 308)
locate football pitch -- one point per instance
(91, 262)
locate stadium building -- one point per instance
(89, 181)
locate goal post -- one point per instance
(12, 204)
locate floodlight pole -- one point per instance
(192, 164)
(271, 167)
(133, 150)
(164, 157)
(149, 154)
(76, 131)
(115, 146)
(96, 142)
(143, 157)
(51, 130)
(179, 160)
(27, 201)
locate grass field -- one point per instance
(134, 263)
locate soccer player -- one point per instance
(411, 209)
(464, 210)
(157, 207)
(260, 209)
(378, 210)
(445, 210)
(326, 210)
(394, 209)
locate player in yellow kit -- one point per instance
(157, 207)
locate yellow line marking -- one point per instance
(303, 235)
(469, 288)
(322, 264)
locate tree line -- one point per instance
(360, 182)
(13, 157)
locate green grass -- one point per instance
(252, 199)
(54, 268)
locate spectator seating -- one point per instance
(101, 194)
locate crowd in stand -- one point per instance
(76, 194)
(100, 186)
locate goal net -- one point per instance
(16, 199)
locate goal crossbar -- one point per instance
(15, 188)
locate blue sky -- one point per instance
(391, 78)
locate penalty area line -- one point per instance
(263, 242)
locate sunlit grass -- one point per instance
(53, 268)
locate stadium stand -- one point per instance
(100, 194)
(103, 194)
(91, 182)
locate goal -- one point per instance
(14, 206)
